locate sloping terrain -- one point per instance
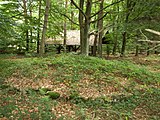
(88, 88)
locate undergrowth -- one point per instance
(136, 94)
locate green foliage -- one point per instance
(74, 94)
(53, 95)
(73, 68)
(42, 92)
(142, 14)
(139, 92)
(7, 31)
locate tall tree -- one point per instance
(81, 17)
(31, 22)
(85, 19)
(42, 45)
(116, 27)
(65, 27)
(26, 23)
(72, 16)
(39, 25)
(85, 41)
(130, 4)
(100, 27)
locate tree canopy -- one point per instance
(22, 22)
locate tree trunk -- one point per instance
(39, 25)
(115, 44)
(85, 40)
(100, 26)
(65, 28)
(124, 34)
(129, 7)
(31, 22)
(116, 30)
(81, 21)
(42, 45)
(137, 49)
(72, 15)
(137, 46)
(26, 23)
(95, 45)
(123, 44)
(148, 51)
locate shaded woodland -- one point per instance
(79, 60)
(118, 26)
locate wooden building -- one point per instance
(72, 41)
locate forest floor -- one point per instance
(83, 88)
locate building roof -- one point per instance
(73, 38)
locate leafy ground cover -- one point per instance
(86, 88)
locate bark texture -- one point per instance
(42, 45)
(26, 23)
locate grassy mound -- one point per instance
(113, 89)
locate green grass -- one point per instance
(133, 88)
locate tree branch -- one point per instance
(95, 2)
(100, 18)
(143, 34)
(153, 31)
(66, 17)
(78, 8)
(97, 32)
(105, 8)
(16, 15)
(149, 41)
